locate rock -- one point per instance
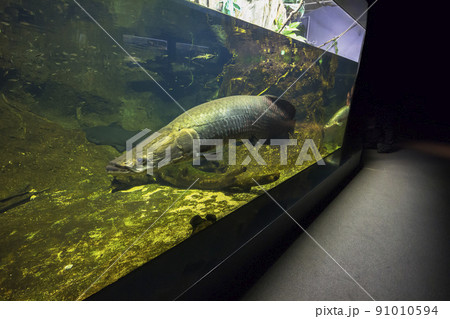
(199, 223)
(44, 155)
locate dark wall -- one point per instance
(403, 68)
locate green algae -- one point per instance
(86, 226)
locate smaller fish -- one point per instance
(339, 118)
(206, 57)
(129, 59)
(333, 131)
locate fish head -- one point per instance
(122, 165)
(169, 145)
(334, 130)
(339, 118)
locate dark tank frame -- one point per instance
(224, 260)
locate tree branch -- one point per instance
(290, 16)
(337, 37)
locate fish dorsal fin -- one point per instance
(284, 105)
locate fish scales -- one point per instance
(233, 117)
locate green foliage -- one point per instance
(291, 30)
(229, 7)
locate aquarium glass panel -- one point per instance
(129, 126)
(322, 24)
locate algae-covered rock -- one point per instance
(61, 241)
(42, 154)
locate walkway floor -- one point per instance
(389, 229)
